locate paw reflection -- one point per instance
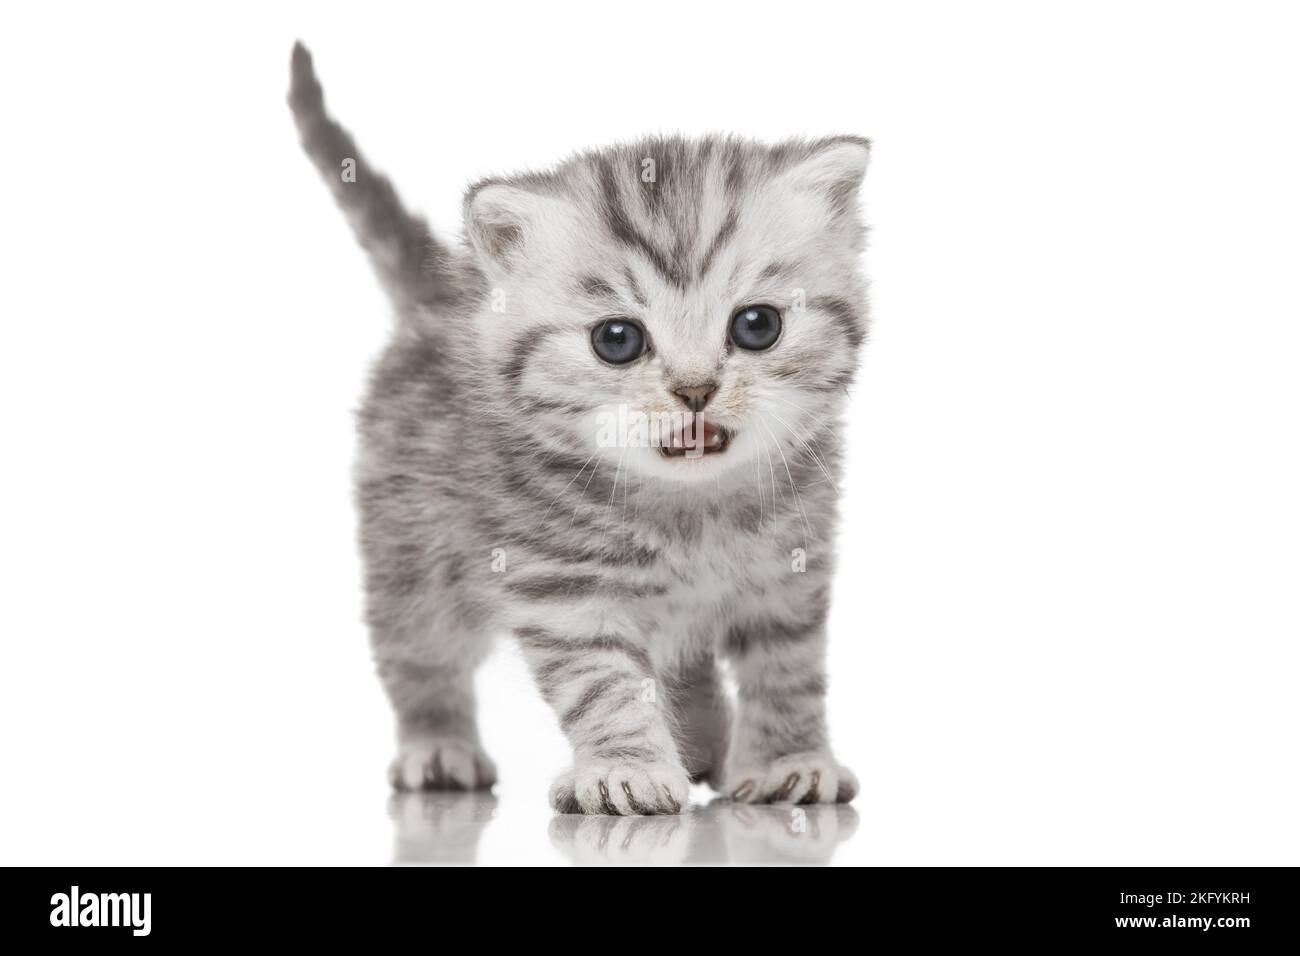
(647, 841)
(784, 834)
(722, 832)
(446, 827)
(439, 826)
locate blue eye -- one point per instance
(756, 327)
(618, 341)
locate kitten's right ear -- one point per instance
(501, 221)
(834, 168)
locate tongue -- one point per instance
(704, 432)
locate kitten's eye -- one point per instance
(756, 327)
(618, 341)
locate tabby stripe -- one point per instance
(523, 350)
(844, 313)
(743, 639)
(597, 288)
(621, 228)
(774, 269)
(538, 639)
(545, 587)
(721, 239)
(550, 587)
(643, 754)
(634, 287)
(808, 734)
(813, 687)
(590, 697)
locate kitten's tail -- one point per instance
(417, 270)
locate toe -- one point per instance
(785, 784)
(485, 771)
(808, 778)
(592, 793)
(745, 790)
(441, 764)
(626, 790)
(455, 769)
(563, 796)
(821, 787)
(406, 772)
(848, 786)
(618, 787)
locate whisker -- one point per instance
(604, 525)
(815, 457)
(818, 427)
(793, 487)
(767, 450)
(541, 525)
(584, 490)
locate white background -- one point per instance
(1066, 621)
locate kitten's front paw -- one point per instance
(812, 777)
(441, 763)
(624, 789)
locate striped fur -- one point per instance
(488, 504)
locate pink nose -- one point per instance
(695, 397)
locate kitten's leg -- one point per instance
(427, 639)
(702, 719)
(438, 744)
(780, 749)
(613, 712)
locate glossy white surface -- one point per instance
(459, 828)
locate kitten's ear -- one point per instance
(501, 220)
(834, 168)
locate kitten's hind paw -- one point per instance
(621, 789)
(797, 778)
(441, 763)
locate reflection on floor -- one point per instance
(446, 828)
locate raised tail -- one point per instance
(417, 270)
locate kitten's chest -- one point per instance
(714, 573)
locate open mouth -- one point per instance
(703, 438)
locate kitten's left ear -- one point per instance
(833, 167)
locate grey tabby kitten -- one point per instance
(708, 287)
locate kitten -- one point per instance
(701, 302)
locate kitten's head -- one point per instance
(681, 307)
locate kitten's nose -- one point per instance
(696, 397)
